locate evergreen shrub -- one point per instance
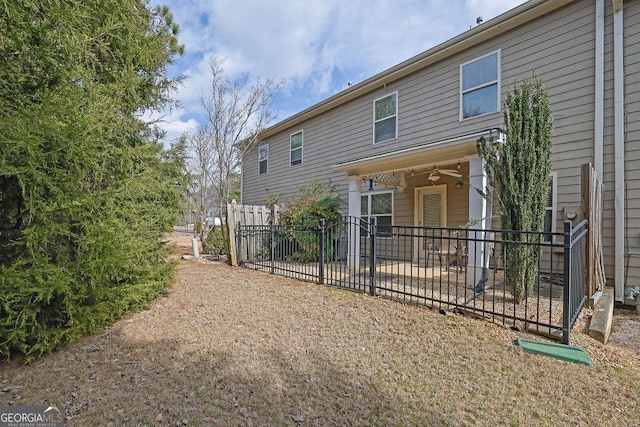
(86, 191)
(519, 170)
(302, 214)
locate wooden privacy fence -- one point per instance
(245, 215)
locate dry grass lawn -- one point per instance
(231, 347)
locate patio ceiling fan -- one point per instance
(435, 173)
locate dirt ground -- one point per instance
(233, 347)
(625, 329)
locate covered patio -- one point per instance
(432, 185)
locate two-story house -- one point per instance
(401, 145)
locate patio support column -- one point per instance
(353, 257)
(480, 211)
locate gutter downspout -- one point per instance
(241, 179)
(618, 70)
(598, 148)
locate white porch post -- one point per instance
(353, 257)
(480, 216)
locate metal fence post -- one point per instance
(567, 309)
(321, 258)
(273, 247)
(238, 242)
(372, 256)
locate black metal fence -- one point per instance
(464, 270)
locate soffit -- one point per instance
(415, 158)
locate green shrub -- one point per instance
(317, 201)
(520, 169)
(214, 243)
(302, 215)
(86, 190)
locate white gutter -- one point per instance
(241, 180)
(598, 147)
(618, 96)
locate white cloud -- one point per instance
(176, 127)
(265, 38)
(198, 78)
(171, 122)
(317, 46)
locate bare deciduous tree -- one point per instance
(201, 166)
(235, 115)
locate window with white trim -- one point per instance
(550, 207)
(378, 205)
(263, 156)
(480, 86)
(385, 118)
(295, 143)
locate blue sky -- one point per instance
(316, 46)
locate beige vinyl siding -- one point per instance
(428, 104)
(608, 154)
(559, 47)
(561, 51)
(403, 216)
(632, 139)
(403, 207)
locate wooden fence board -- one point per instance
(245, 215)
(592, 210)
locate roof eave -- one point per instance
(492, 28)
(415, 157)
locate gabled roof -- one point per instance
(501, 24)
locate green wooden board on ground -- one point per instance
(558, 351)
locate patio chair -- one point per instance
(459, 257)
(432, 251)
(495, 255)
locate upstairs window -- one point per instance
(296, 148)
(379, 206)
(263, 156)
(479, 86)
(385, 118)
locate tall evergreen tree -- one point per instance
(84, 191)
(520, 169)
